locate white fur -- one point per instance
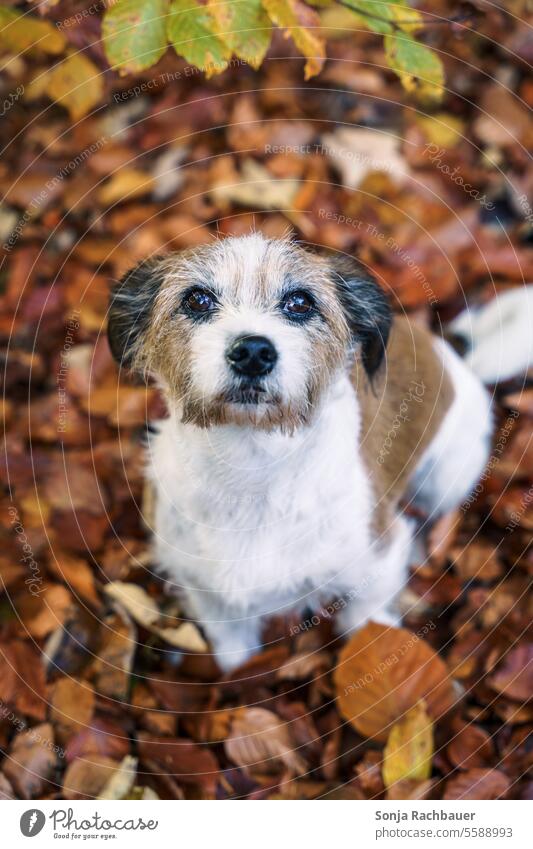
(499, 335)
(250, 524)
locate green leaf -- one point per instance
(22, 32)
(418, 67)
(303, 25)
(384, 17)
(134, 33)
(193, 31)
(244, 26)
(367, 9)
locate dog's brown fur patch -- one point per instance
(401, 413)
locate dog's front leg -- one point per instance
(374, 595)
(234, 636)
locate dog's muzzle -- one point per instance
(252, 356)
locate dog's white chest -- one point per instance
(263, 519)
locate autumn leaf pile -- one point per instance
(106, 690)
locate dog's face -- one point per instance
(248, 330)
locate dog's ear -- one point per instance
(130, 309)
(366, 308)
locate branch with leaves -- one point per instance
(208, 34)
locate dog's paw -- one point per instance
(230, 655)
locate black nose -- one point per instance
(252, 356)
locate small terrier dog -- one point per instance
(303, 417)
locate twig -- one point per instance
(396, 23)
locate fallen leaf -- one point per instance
(471, 747)
(31, 761)
(355, 152)
(255, 187)
(477, 784)
(409, 750)
(124, 185)
(382, 673)
(75, 83)
(72, 707)
(120, 783)
(514, 676)
(135, 600)
(85, 779)
(261, 742)
(186, 637)
(112, 667)
(188, 763)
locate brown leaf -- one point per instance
(303, 666)
(514, 677)
(31, 761)
(112, 667)
(77, 575)
(261, 742)
(41, 614)
(72, 707)
(85, 779)
(6, 790)
(22, 679)
(188, 763)
(410, 789)
(471, 747)
(478, 561)
(382, 673)
(442, 536)
(477, 784)
(103, 738)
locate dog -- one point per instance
(303, 417)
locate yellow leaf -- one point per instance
(76, 84)
(19, 32)
(244, 27)
(303, 26)
(409, 749)
(125, 185)
(442, 129)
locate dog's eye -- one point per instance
(200, 301)
(297, 304)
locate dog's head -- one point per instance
(247, 330)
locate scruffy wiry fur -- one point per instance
(280, 493)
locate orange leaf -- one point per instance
(382, 673)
